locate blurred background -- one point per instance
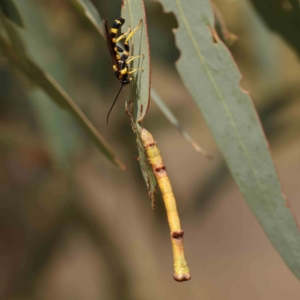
(74, 226)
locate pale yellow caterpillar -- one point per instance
(181, 269)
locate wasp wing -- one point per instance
(109, 42)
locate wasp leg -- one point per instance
(123, 36)
(126, 45)
(133, 70)
(131, 58)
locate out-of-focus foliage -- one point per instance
(88, 9)
(281, 16)
(11, 12)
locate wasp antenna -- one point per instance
(114, 103)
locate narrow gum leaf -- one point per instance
(146, 168)
(133, 11)
(211, 76)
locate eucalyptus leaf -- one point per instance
(211, 76)
(146, 168)
(133, 11)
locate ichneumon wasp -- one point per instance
(120, 57)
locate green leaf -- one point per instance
(282, 17)
(174, 121)
(11, 12)
(133, 11)
(52, 88)
(212, 78)
(88, 9)
(146, 168)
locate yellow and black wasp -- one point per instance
(120, 57)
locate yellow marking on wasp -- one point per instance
(114, 30)
(181, 269)
(124, 71)
(131, 58)
(117, 21)
(134, 70)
